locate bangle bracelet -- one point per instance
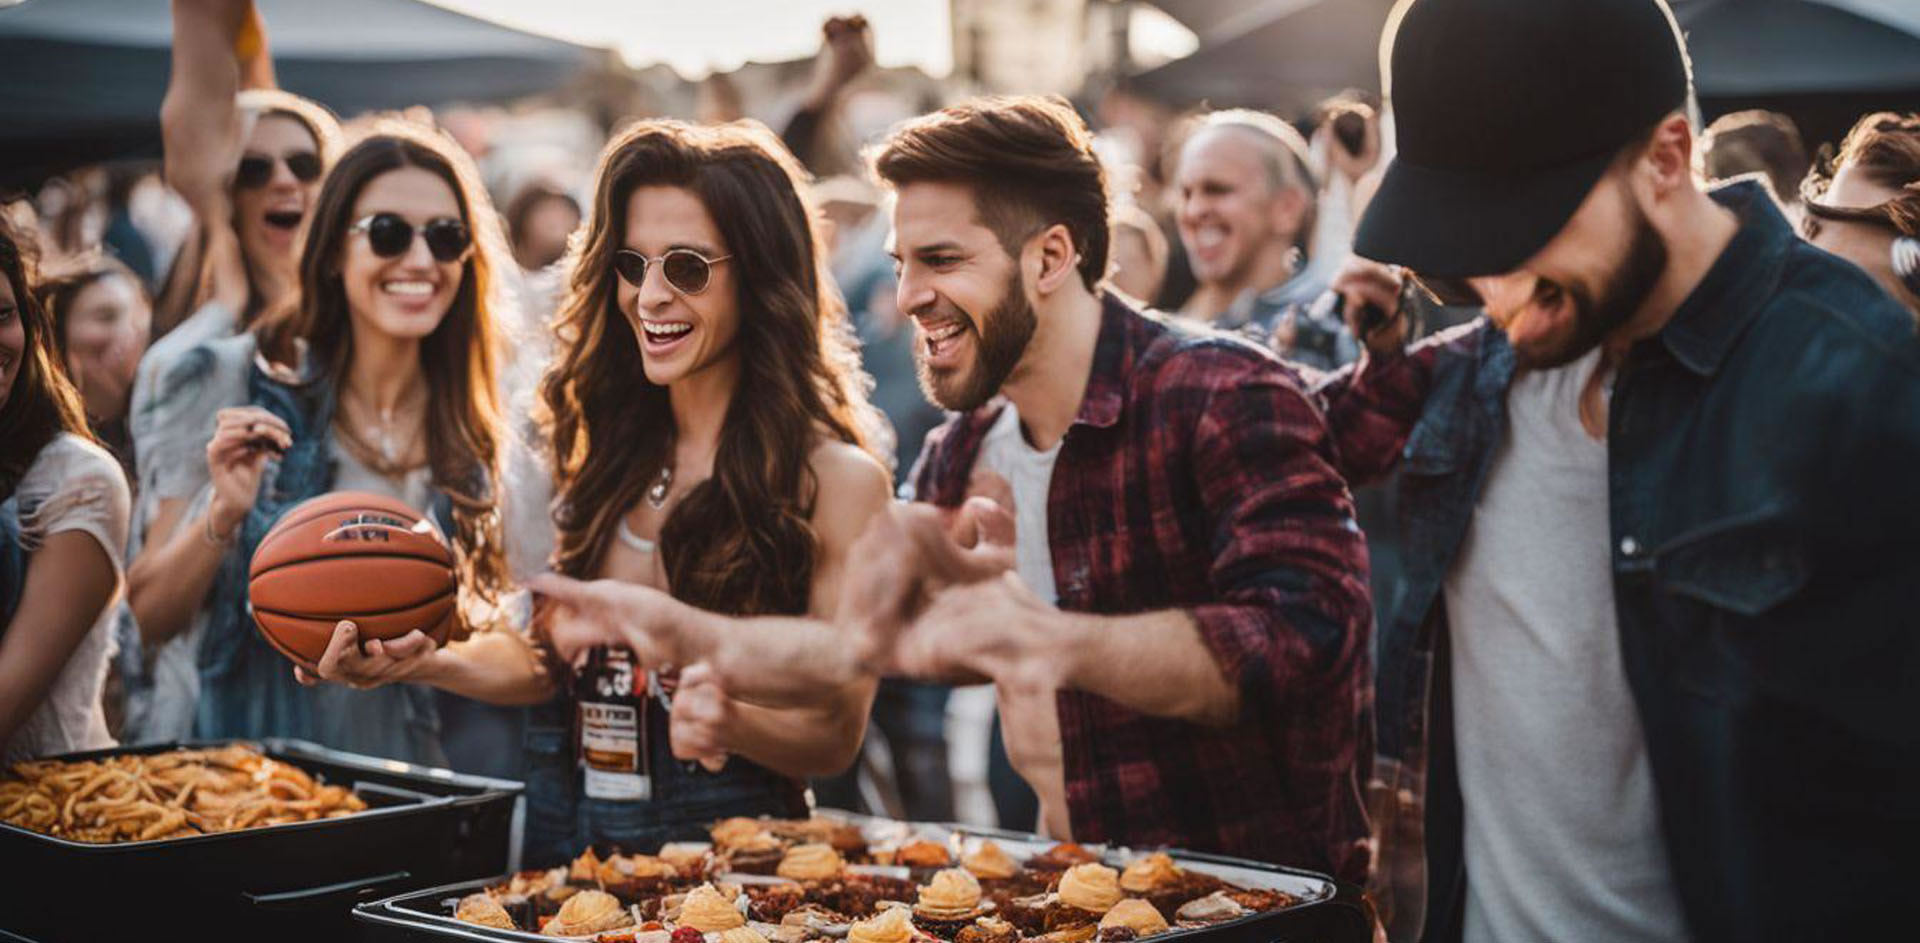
(213, 539)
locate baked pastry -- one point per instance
(1147, 874)
(1216, 907)
(742, 935)
(1260, 901)
(988, 930)
(990, 862)
(588, 912)
(770, 903)
(692, 860)
(759, 853)
(705, 909)
(1086, 893)
(892, 925)
(633, 877)
(1028, 913)
(813, 862)
(923, 857)
(482, 910)
(1061, 857)
(1135, 916)
(949, 902)
(727, 833)
(585, 870)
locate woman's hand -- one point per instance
(244, 438)
(370, 665)
(702, 714)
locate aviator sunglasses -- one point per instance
(686, 270)
(256, 170)
(389, 235)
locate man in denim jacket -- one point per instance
(1659, 515)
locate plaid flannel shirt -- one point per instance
(1198, 476)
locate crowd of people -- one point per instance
(1507, 515)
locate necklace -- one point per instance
(391, 455)
(662, 483)
(633, 540)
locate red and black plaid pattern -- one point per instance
(1198, 476)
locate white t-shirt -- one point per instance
(73, 485)
(1029, 472)
(1562, 829)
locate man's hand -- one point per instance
(1363, 283)
(580, 615)
(702, 714)
(908, 554)
(994, 628)
(370, 665)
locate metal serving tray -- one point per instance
(1328, 911)
(297, 881)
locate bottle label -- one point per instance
(612, 723)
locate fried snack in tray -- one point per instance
(176, 794)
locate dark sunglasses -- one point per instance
(686, 270)
(389, 235)
(256, 169)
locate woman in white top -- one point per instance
(63, 520)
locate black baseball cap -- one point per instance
(1506, 114)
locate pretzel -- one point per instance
(160, 796)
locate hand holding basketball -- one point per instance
(377, 662)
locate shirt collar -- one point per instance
(1737, 286)
(1112, 358)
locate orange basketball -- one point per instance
(351, 555)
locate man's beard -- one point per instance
(1621, 294)
(1000, 340)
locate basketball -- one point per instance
(351, 555)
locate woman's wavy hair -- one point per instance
(43, 403)
(739, 542)
(460, 358)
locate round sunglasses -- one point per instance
(686, 270)
(389, 235)
(256, 170)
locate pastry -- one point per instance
(730, 832)
(1028, 913)
(1135, 916)
(813, 862)
(1086, 893)
(1216, 907)
(705, 909)
(588, 912)
(742, 935)
(988, 930)
(770, 903)
(1145, 875)
(1061, 857)
(990, 862)
(691, 859)
(631, 878)
(923, 857)
(949, 903)
(892, 925)
(1260, 901)
(585, 870)
(759, 853)
(483, 910)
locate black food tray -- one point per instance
(1330, 912)
(298, 881)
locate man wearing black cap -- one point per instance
(1657, 657)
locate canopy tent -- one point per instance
(1282, 55)
(1822, 62)
(84, 78)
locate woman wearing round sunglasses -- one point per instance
(380, 377)
(710, 441)
(249, 164)
(1866, 208)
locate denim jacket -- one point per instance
(1761, 452)
(247, 689)
(13, 563)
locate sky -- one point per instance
(699, 36)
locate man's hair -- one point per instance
(1756, 141)
(1029, 161)
(1282, 150)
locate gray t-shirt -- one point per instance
(1562, 830)
(1029, 472)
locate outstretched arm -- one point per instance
(202, 131)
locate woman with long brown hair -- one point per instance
(381, 377)
(710, 437)
(63, 521)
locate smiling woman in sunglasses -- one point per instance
(712, 444)
(381, 377)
